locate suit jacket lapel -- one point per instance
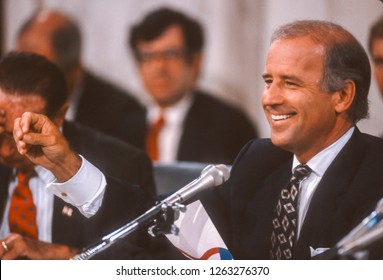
(66, 221)
(260, 211)
(334, 183)
(5, 174)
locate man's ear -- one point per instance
(196, 63)
(344, 97)
(59, 117)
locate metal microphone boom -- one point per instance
(212, 175)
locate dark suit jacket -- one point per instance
(122, 201)
(103, 106)
(213, 131)
(347, 193)
(113, 156)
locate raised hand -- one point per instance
(41, 141)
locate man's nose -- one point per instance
(272, 95)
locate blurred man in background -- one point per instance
(183, 122)
(93, 101)
(375, 47)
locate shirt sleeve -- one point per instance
(85, 190)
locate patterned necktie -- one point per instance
(22, 211)
(285, 221)
(152, 138)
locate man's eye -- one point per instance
(172, 54)
(291, 84)
(168, 54)
(145, 56)
(378, 61)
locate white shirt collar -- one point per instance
(321, 161)
(173, 114)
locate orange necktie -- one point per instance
(152, 137)
(22, 211)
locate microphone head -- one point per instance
(220, 173)
(211, 176)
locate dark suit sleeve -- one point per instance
(122, 203)
(111, 155)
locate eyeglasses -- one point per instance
(165, 55)
(378, 62)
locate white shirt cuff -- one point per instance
(85, 189)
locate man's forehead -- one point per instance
(296, 51)
(170, 36)
(15, 105)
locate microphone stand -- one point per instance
(162, 216)
(363, 241)
(353, 245)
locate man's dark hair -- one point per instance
(376, 32)
(23, 73)
(65, 40)
(344, 59)
(156, 22)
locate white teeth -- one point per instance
(281, 117)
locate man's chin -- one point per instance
(281, 142)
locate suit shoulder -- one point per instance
(102, 90)
(262, 150)
(212, 109)
(374, 146)
(82, 135)
(209, 102)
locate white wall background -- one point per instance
(237, 32)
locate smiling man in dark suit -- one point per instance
(29, 82)
(317, 78)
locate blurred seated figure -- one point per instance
(375, 47)
(40, 218)
(93, 101)
(183, 122)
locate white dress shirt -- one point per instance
(318, 164)
(85, 191)
(74, 100)
(171, 133)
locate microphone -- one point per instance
(211, 176)
(366, 231)
(363, 241)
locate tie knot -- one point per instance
(301, 172)
(160, 120)
(24, 176)
(158, 123)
